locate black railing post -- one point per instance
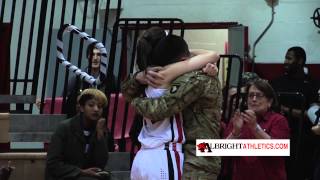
(105, 24)
(44, 83)
(94, 26)
(3, 4)
(42, 21)
(66, 80)
(231, 59)
(26, 74)
(19, 46)
(56, 70)
(12, 24)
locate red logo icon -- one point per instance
(204, 146)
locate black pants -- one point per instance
(92, 178)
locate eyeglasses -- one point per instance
(257, 95)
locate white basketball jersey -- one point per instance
(153, 135)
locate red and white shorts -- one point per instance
(162, 163)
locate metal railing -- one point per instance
(234, 67)
(34, 70)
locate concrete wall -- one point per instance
(292, 24)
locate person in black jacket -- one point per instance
(297, 79)
(79, 147)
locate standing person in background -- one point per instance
(297, 79)
(75, 85)
(198, 97)
(259, 121)
(79, 147)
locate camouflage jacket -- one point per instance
(199, 98)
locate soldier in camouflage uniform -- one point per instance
(199, 98)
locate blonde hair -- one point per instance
(91, 93)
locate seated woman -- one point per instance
(259, 121)
(162, 141)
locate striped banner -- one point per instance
(61, 59)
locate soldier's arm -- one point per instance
(131, 88)
(162, 77)
(200, 60)
(178, 97)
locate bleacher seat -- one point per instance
(120, 114)
(56, 108)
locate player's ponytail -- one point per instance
(145, 45)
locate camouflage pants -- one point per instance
(199, 176)
(199, 167)
(190, 173)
